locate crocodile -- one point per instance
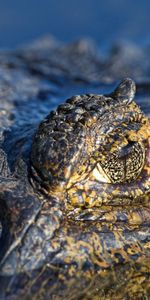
(74, 184)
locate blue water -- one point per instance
(104, 21)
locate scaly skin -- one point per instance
(91, 135)
(85, 234)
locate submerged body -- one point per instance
(75, 213)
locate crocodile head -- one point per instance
(95, 148)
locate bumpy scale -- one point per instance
(78, 222)
(94, 148)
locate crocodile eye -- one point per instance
(100, 175)
(122, 166)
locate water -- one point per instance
(31, 84)
(103, 21)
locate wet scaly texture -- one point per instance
(74, 190)
(94, 149)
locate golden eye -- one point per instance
(122, 166)
(100, 175)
